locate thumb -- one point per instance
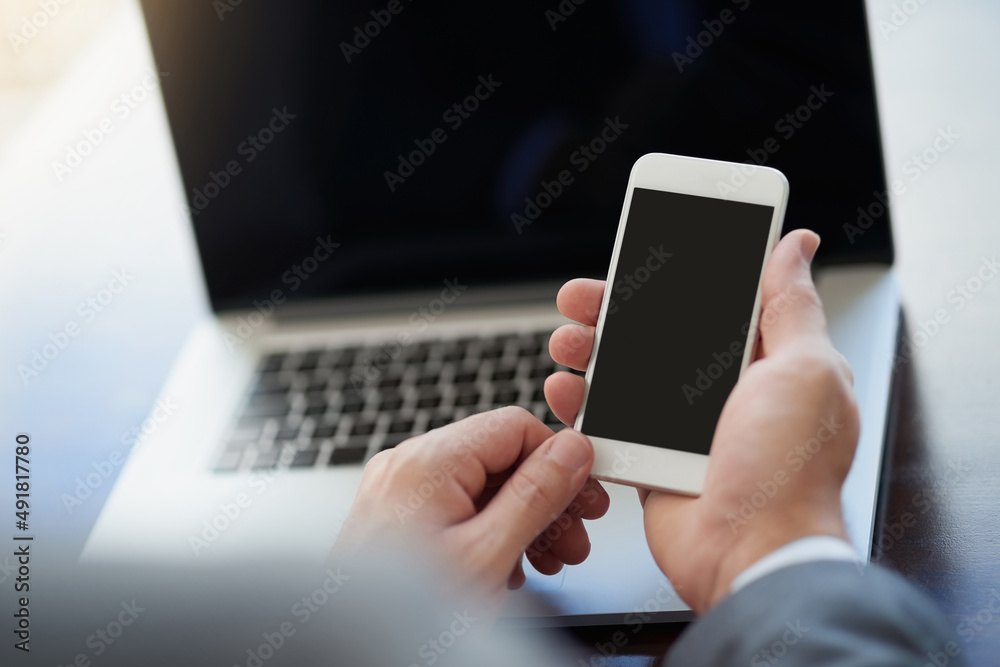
(536, 493)
(790, 307)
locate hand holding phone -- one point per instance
(782, 447)
(678, 323)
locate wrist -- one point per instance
(757, 545)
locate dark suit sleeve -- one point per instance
(821, 614)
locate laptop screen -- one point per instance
(399, 143)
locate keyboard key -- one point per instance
(325, 431)
(315, 408)
(418, 354)
(313, 445)
(466, 377)
(393, 440)
(317, 383)
(538, 395)
(401, 426)
(438, 422)
(428, 380)
(272, 383)
(310, 360)
(492, 350)
(305, 459)
(347, 455)
(267, 459)
(390, 382)
(287, 432)
(363, 427)
(467, 398)
(543, 370)
(504, 373)
(352, 404)
(391, 403)
(247, 431)
(272, 407)
(506, 395)
(273, 362)
(228, 462)
(429, 401)
(529, 348)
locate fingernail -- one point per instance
(810, 245)
(570, 450)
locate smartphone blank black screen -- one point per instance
(681, 302)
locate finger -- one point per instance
(664, 516)
(564, 393)
(541, 488)
(592, 502)
(473, 449)
(571, 345)
(566, 538)
(791, 311)
(580, 300)
(516, 578)
(545, 562)
(845, 368)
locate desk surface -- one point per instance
(60, 242)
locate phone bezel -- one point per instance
(655, 467)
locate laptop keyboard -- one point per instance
(337, 406)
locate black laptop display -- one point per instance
(493, 142)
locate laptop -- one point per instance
(380, 202)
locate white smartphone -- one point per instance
(678, 324)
